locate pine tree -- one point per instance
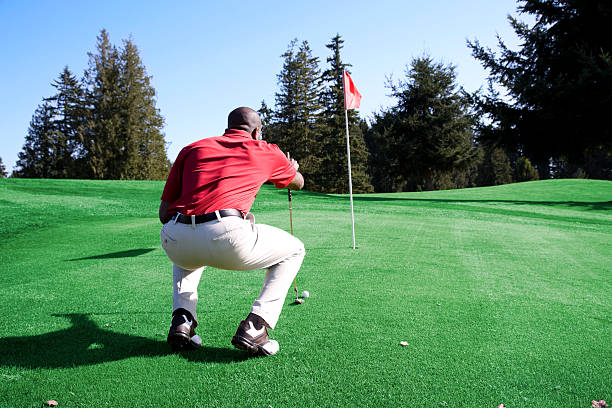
(105, 126)
(144, 153)
(37, 158)
(3, 172)
(67, 111)
(52, 145)
(384, 165)
(428, 131)
(265, 114)
(103, 140)
(270, 126)
(295, 124)
(495, 168)
(524, 171)
(123, 136)
(558, 83)
(333, 174)
(598, 164)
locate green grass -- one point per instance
(502, 293)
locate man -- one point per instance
(205, 211)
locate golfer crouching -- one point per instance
(205, 211)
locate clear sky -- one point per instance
(208, 57)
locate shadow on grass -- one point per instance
(84, 343)
(483, 206)
(589, 205)
(120, 254)
(488, 207)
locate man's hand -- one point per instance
(293, 162)
(298, 181)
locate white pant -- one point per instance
(236, 244)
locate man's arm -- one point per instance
(297, 183)
(164, 216)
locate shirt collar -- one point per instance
(237, 132)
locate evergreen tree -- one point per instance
(428, 132)
(271, 128)
(598, 164)
(123, 137)
(36, 160)
(265, 114)
(3, 172)
(495, 168)
(524, 171)
(333, 174)
(384, 164)
(559, 83)
(144, 148)
(106, 126)
(106, 150)
(295, 124)
(52, 144)
(67, 111)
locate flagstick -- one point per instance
(348, 155)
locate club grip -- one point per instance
(289, 194)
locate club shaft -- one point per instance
(290, 212)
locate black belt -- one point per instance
(199, 219)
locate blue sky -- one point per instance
(206, 58)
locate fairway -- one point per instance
(502, 294)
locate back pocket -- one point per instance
(166, 239)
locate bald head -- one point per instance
(244, 118)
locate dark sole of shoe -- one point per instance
(243, 343)
(178, 341)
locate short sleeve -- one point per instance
(281, 171)
(172, 189)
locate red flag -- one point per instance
(352, 97)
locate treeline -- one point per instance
(309, 121)
(557, 85)
(551, 123)
(102, 126)
(426, 141)
(543, 115)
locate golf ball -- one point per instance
(305, 294)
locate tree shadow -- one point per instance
(85, 343)
(586, 205)
(120, 254)
(486, 207)
(589, 205)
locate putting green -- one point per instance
(501, 294)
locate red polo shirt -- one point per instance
(224, 172)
